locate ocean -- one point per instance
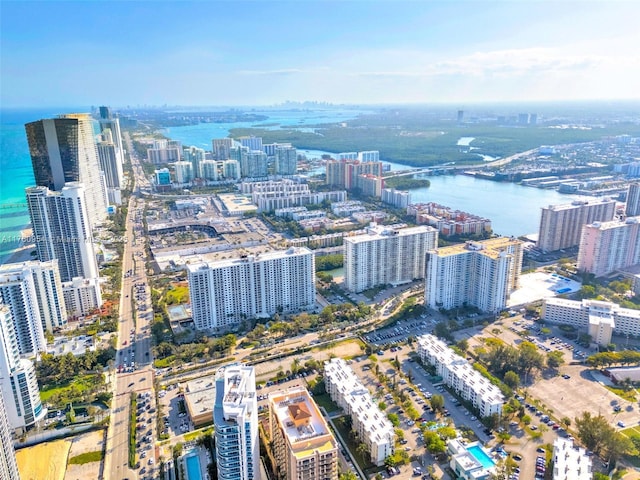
(16, 172)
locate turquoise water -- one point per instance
(16, 172)
(480, 455)
(193, 468)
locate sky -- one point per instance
(265, 52)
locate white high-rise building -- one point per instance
(235, 419)
(64, 150)
(252, 143)
(82, 295)
(222, 148)
(386, 255)
(108, 122)
(253, 164)
(34, 293)
(609, 246)
(482, 274)
(303, 445)
(184, 172)
(195, 156)
(209, 170)
(62, 230)
(17, 378)
(231, 170)
(633, 200)
(227, 292)
(369, 156)
(286, 160)
(8, 464)
(111, 166)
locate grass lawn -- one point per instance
(634, 460)
(77, 386)
(629, 395)
(86, 457)
(339, 343)
(188, 437)
(177, 295)
(325, 401)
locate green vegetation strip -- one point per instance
(132, 431)
(86, 457)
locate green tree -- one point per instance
(362, 450)
(587, 291)
(463, 345)
(512, 379)
(393, 418)
(593, 431)
(554, 360)
(437, 403)
(447, 432)
(350, 475)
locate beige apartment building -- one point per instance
(303, 445)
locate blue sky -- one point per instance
(264, 52)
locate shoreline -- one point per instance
(23, 252)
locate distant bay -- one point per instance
(201, 135)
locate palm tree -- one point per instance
(362, 450)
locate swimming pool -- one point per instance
(193, 467)
(480, 455)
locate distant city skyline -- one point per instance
(266, 52)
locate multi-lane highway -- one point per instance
(134, 357)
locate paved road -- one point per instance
(131, 348)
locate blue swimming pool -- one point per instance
(480, 455)
(193, 468)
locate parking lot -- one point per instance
(145, 438)
(400, 331)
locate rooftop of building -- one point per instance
(492, 248)
(595, 307)
(570, 461)
(255, 258)
(358, 397)
(237, 203)
(200, 396)
(613, 224)
(380, 232)
(579, 203)
(303, 425)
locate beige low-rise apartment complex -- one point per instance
(303, 445)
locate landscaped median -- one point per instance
(132, 430)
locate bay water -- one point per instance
(513, 209)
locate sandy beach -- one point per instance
(23, 253)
